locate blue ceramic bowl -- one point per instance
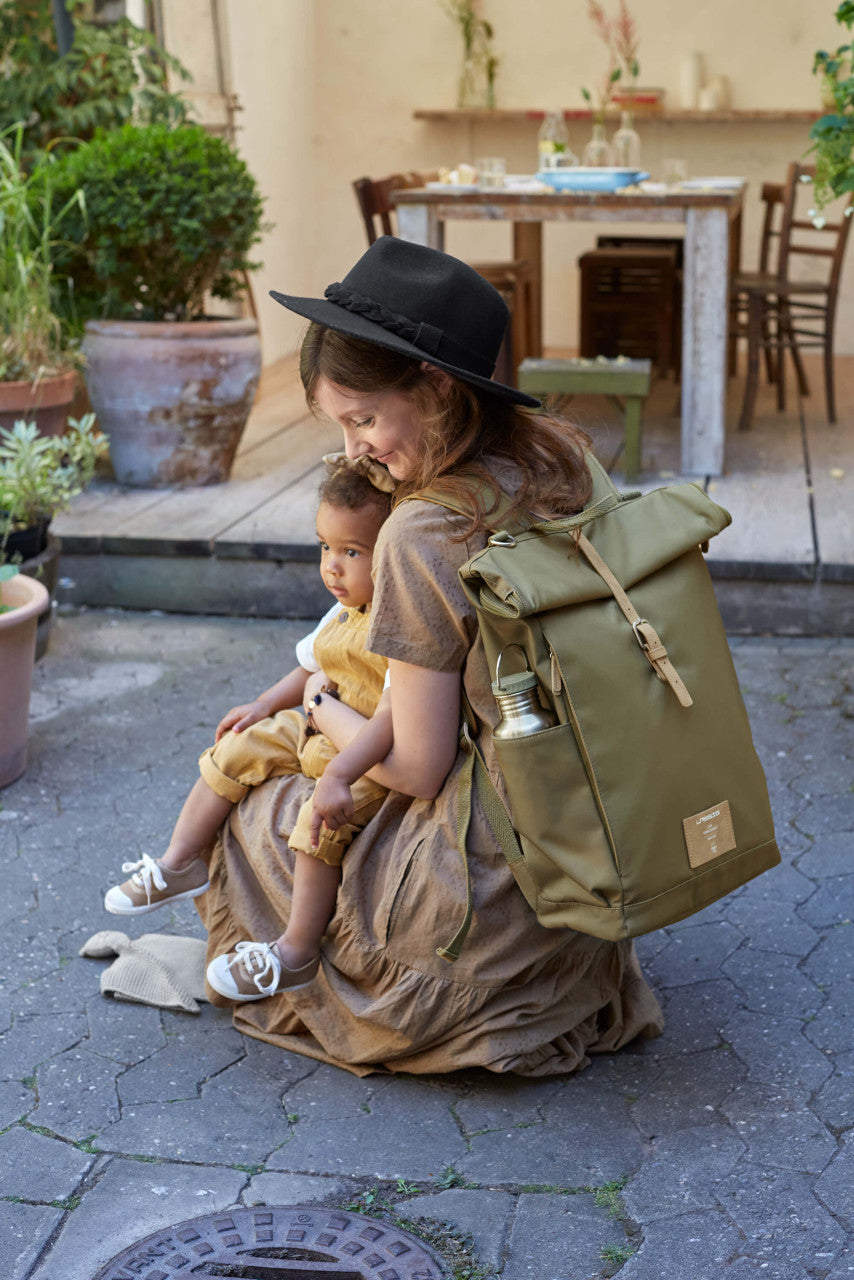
(579, 178)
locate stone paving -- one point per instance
(724, 1149)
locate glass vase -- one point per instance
(598, 153)
(472, 89)
(626, 144)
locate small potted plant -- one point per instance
(833, 133)
(171, 216)
(37, 360)
(22, 600)
(39, 475)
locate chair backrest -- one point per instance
(773, 198)
(801, 237)
(374, 200)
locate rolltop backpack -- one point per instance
(646, 800)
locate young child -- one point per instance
(268, 738)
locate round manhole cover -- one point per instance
(295, 1242)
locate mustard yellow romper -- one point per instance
(279, 745)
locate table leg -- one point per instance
(419, 224)
(528, 245)
(704, 341)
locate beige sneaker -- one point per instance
(152, 884)
(255, 970)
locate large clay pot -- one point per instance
(173, 397)
(17, 656)
(46, 402)
(36, 552)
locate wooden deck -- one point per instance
(786, 564)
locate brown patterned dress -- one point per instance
(520, 998)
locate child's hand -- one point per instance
(332, 805)
(239, 718)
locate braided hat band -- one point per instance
(423, 304)
(427, 337)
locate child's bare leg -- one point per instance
(313, 902)
(198, 823)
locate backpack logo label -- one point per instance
(709, 835)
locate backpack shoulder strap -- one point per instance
(497, 518)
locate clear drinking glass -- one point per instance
(491, 171)
(674, 171)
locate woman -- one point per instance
(400, 355)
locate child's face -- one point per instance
(382, 424)
(347, 540)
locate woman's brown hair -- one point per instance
(465, 429)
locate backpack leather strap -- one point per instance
(645, 633)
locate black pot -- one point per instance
(25, 543)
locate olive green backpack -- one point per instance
(646, 801)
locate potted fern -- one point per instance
(37, 359)
(171, 217)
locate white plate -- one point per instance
(718, 184)
(453, 188)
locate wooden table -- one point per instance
(711, 220)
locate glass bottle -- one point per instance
(553, 143)
(522, 713)
(626, 143)
(598, 153)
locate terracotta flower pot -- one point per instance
(173, 397)
(29, 599)
(47, 403)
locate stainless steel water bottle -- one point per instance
(518, 700)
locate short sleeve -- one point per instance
(420, 613)
(305, 647)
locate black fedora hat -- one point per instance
(422, 303)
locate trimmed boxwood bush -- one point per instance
(170, 215)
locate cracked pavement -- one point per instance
(724, 1149)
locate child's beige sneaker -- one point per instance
(152, 884)
(255, 970)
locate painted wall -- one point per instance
(329, 88)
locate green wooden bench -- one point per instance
(625, 382)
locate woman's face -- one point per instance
(382, 424)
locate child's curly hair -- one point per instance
(348, 486)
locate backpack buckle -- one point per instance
(650, 644)
(501, 539)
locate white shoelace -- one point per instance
(146, 871)
(260, 961)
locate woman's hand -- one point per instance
(240, 718)
(332, 805)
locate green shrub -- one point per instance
(170, 215)
(111, 74)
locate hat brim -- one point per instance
(329, 314)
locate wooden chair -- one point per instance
(512, 279)
(772, 196)
(677, 244)
(779, 309)
(626, 304)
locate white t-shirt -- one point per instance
(305, 647)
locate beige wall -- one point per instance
(329, 87)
